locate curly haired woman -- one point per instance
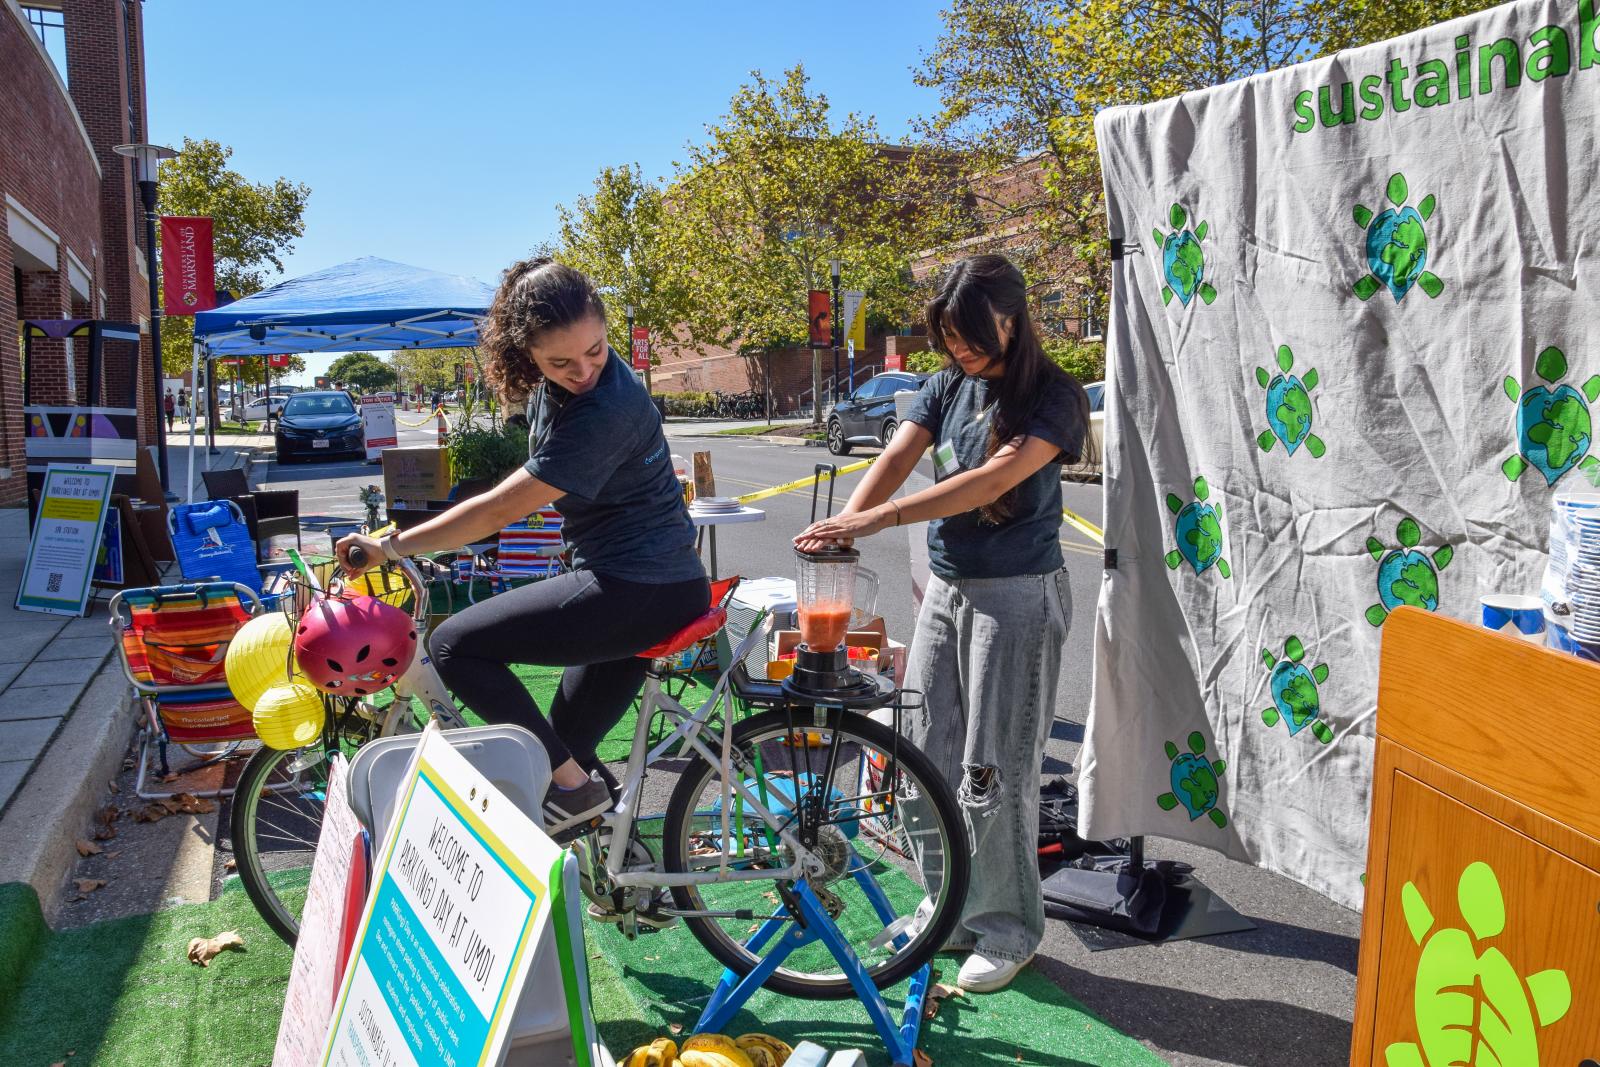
(597, 452)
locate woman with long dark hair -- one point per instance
(597, 452)
(987, 650)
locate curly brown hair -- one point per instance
(535, 295)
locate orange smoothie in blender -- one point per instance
(823, 627)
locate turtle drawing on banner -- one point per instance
(1397, 244)
(1406, 575)
(1289, 407)
(1553, 421)
(1474, 1008)
(1198, 529)
(1295, 697)
(1194, 782)
(1183, 260)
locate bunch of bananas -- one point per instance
(712, 1050)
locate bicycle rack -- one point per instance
(811, 925)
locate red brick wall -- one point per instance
(719, 370)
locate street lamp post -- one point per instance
(833, 268)
(147, 158)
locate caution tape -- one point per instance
(801, 483)
(1084, 526)
(429, 417)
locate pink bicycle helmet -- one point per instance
(354, 645)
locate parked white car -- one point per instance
(1090, 468)
(257, 409)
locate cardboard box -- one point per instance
(875, 635)
(414, 476)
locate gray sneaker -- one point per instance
(568, 809)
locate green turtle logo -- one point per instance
(1289, 407)
(1295, 698)
(1406, 576)
(1194, 782)
(1553, 424)
(1472, 1008)
(1198, 529)
(1397, 245)
(1183, 261)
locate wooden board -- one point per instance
(705, 483)
(1487, 754)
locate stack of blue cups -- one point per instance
(1571, 590)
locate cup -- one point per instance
(1514, 616)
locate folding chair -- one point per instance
(171, 641)
(268, 512)
(212, 542)
(532, 548)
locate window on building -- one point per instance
(51, 28)
(1050, 308)
(1092, 329)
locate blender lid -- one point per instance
(831, 554)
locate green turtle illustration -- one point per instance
(1397, 244)
(1289, 406)
(1183, 261)
(1194, 781)
(1474, 1009)
(1406, 576)
(1198, 529)
(1295, 697)
(1553, 424)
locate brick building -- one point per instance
(72, 87)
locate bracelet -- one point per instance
(387, 545)
(896, 507)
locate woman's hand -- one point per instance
(373, 552)
(844, 528)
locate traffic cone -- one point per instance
(443, 429)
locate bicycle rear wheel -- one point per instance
(891, 841)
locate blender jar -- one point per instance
(825, 592)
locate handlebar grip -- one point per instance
(357, 556)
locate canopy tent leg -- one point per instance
(194, 409)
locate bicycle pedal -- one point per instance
(572, 833)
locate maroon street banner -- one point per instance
(279, 360)
(641, 347)
(188, 268)
(821, 319)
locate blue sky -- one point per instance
(444, 135)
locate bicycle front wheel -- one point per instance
(277, 818)
(890, 837)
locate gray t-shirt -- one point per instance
(622, 510)
(955, 408)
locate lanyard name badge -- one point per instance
(944, 460)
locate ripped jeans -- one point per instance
(986, 656)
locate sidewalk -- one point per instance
(65, 710)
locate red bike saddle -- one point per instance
(700, 628)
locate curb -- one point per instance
(769, 438)
(41, 824)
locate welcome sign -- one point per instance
(1353, 356)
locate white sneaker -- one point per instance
(985, 974)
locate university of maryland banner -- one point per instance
(1354, 353)
(188, 267)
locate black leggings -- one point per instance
(588, 623)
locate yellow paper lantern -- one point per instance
(289, 715)
(259, 657)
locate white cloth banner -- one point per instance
(1352, 356)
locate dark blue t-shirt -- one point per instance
(622, 509)
(955, 408)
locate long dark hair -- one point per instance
(971, 293)
(535, 295)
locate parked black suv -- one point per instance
(867, 416)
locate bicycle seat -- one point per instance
(698, 630)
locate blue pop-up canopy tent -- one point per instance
(365, 304)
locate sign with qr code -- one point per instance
(66, 539)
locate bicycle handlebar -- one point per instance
(419, 588)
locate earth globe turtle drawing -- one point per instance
(1198, 530)
(1397, 244)
(1472, 1007)
(1194, 782)
(1289, 407)
(1553, 422)
(1405, 574)
(1295, 697)
(1183, 261)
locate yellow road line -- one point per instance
(1084, 526)
(798, 483)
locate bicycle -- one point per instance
(790, 793)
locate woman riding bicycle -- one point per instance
(597, 452)
(987, 648)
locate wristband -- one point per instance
(387, 545)
(896, 507)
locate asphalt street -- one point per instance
(1280, 994)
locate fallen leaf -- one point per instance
(676, 1028)
(155, 811)
(921, 1058)
(87, 848)
(937, 996)
(190, 804)
(230, 864)
(165, 778)
(202, 950)
(89, 885)
(105, 833)
(114, 787)
(108, 814)
(113, 854)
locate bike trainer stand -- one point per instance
(812, 924)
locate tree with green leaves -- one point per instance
(362, 370)
(779, 187)
(615, 236)
(432, 368)
(253, 225)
